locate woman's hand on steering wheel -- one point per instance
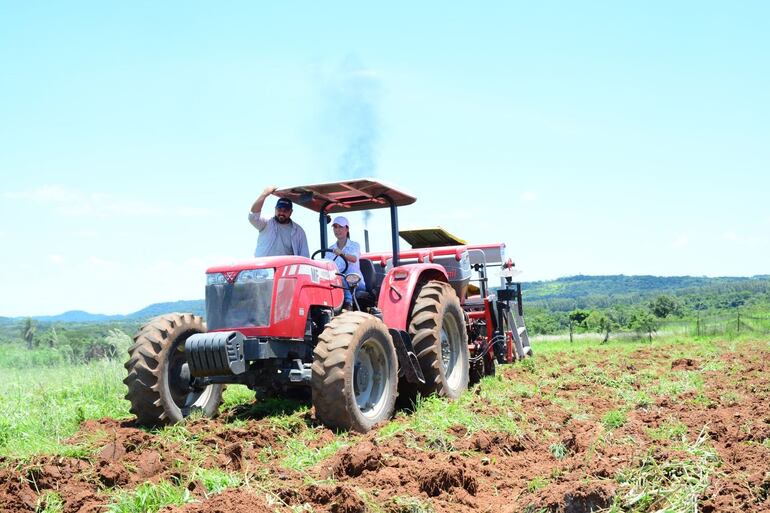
(323, 252)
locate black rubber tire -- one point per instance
(335, 373)
(156, 395)
(436, 308)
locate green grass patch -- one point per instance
(406, 504)
(537, 483)
(678, 383)
(614, 419)
(669, 430)
(50, 502)
(216, 481)
(149, 498)
(298, 456)
(672, 485)
(40, 408)
(635, 398)
(434, 416)
(237, 395)
(559, 450)
(16, 356)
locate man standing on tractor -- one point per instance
(278, 235)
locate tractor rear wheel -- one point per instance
(355, 373)
(159, 384)
(439, 337)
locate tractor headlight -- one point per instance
(255, 275)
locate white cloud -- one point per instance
(368, 73)
(740, 239)
(56, 259)
(84, 234)
(190, 212)
(172, 266)
(76, 203)
(528, 196)
(98, 263)
(681, 241)
(46, 194)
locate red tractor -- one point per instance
(276, 324)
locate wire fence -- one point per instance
(729, 325)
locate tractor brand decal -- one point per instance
(230, 276)
(316, 274)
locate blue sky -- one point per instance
(604, 138)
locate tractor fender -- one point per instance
(398, 290)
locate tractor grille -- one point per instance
(238, 305)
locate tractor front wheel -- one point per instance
(355, 373)
(159, 386)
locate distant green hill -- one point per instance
(557, 295)
(196, 306)
(603, 291)
(615, 285)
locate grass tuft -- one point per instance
(50, 502)
(559, 450)
(614, 419)
(671, 430)
(216, 481)
(406, 504)
(149, 498)
(670, 485)
(300, 457)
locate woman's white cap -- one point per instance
(341, 221)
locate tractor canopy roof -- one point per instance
(346, 195)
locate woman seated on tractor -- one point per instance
(344, 248)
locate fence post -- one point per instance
(739, 322)
(697, 324)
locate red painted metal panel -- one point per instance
(396, 295)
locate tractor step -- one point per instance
(408, 363)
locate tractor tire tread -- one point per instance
(145, 365)
(434, 300)
(331, 399)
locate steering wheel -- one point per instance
(324, 251)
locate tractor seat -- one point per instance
(368, 297)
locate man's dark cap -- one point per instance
(283, 203)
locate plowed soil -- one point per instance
(569, 456)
